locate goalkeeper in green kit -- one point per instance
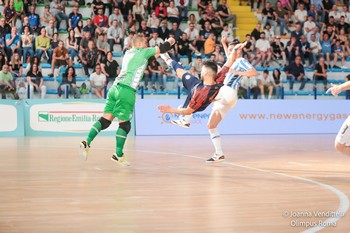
(122, 95)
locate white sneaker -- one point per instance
(344, 67)
(120, 160)
(165, 56)
(181, 123)
(215, 158)
(84, 149)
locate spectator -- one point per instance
(91, 28)
(78, 31)
(202, 6)
(298, 32)
(293, 49)
(74, 17)
(97, 82)
(33, 60)
(300, 14)
(46, 17)
(343, 25)
(125, 8)
(255, 35)
(182, 6)
(173, 13)
(204, 35)
(146, 31)
(346, 14)
(161, 11)
(15, 66)
(192, 19)
(278, 51)
(96, 5)
(309, 26)
(326, 44)
(116, 16)
(316, 33)
(34, 19)
(281, 18)
(219, 56)
(110, 68)
(19, 8)
(57, 10)
(339, 53)
(128, 42)
(27, 44)
(53, 44)
(186, 48)
(277, 81)
(203, 20)
(60, 58)
(101, 22)
(4, 28)
(225, 13)
(138, 12)
(102, 46)
(335, 13)
(25, 22)
(90, 57)
(315, 47)
(72, 45)
(13, 42)
(153, 22)
(155, 40)
(269, 16)
(156, 72)
(115, 35)
(320, 73)
(36, 81)
(7, 85)
(10, 14)
(2, 60)
(84, 42)
(265, 83)
(176, 31)
(194, 72)
(248, 87)
(327, 7)
(227, 33)
(306, 51)
(209, 45)
(69, 83)
(263, 51)
(269, 33)
(295, 71)
(193, 34)
(50, 29)
(198, 64)
(163, 31)
(42, 44)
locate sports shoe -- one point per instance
(181, 123)
(84, 149)
(215, 158)
(121, 160)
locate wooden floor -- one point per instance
(45, 186)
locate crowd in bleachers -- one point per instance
(28, 40)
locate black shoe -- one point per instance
(50, 75)
(336, 67)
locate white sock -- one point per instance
(215, 138)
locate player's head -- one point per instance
(138, 41)
(209, 69)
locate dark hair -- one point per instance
(266, 71)
(33, 58)
(66, 72)
(211, 65)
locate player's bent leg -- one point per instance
(342, 141)
(121, 135)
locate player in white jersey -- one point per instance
(225, 100)
(342, 141)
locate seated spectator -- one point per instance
(98, 81)
(342, 25)
(255, 35)
(176, 31)
(295, 71)
(320, 73)
(306, 51)
(138, 12)
(173, 13)
(102, 46)
(326, 44)
(269, 16)
(91, 28)
(163, 31)
(2, 60)
(298, 32)
(277, 81)
(182, 6)
(13, 43)
(20, 10)
(293, 49)
(202, 6)
(265, 83)
(96, 5)
(16, 67)
(33, 60)
(90, 57)
(227, 33)
(60, 58)
(219, 55)
(278, 51)
(7, 85)
(78, 30)
(125, 8)
(153, 22)
(186, 48)
(36, 81)
(198, 64)
(225, 13)
(316, 33)
(42, 44)
(69, 83)
(57, 10)
(269, 33)
(345, 13)
(173, 53)
(300, 15)
(161, 11)
(248, 87)
(347, 92)
(115, 35)
(46, 17)
(157, 74)
(27, 44)
(155, 40)
(128, 42)
(116, 16)
(34, 19)
(315, 47)
(101, 22)
(249, 49)
(209, 44)
(192, 19)
(50, 29)
(10, 14)
(339, 53)
(263, 51)
(146, 31)
(194, 72)
(53, 44)
(84, 42)
(72, 45)
(281, 18)
(74, 17)
(110, 68)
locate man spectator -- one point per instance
(115, 35)
(101, 22)
(192, 33)
(250, 84)
(263, 51)
(51, 29)
(306, 51)
(96, 5)
(90, 57)
(265, 82)
(269, 16)
(320, 73)
(182, 6)
(7, 85)
(34, 19)
(125, 8)
(90, 27)
(60, 58)
(204, 35)
(335, 13)
(278, 51)
(146, 31)
(74, 17)
(343, 25)
(116, 16)
(42, 44)
(186, 48)
(300, 14)
(295, 71)
(176, 31)
(281, 18)
(226, 14)
(155, 40)
(315, 47)
(293, 49)
(309, 26)
(163, 31)
(345, 13)
(209, 45)
(13, 43)
(57, 10)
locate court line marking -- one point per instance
(344, 202)
(301, 164)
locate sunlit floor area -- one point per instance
(275, 183)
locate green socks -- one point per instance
(95, 129)
(120, 141)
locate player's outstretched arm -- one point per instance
(224, 45)
(336, 89)
(165, 47)
(181, 111)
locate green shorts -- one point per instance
(120, 102)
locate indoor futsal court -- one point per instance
(268, 183)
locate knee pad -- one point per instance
(104, 123)
(126, 126)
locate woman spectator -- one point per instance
(192, 19)
(110, 68)
(72, 44)
(130, 22)
(161, 11)
(219, 56)
(69, 83)
(36, 81)
(78, 31)
(156, 73)
(153, 22)
(138, 12)
(277, 83)
(33, 60)
(173, 13)
(15, 65)
(27, 43)
(98, 81)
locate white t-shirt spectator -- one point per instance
(346, 15)
(263, 45)
(266, 80)
(154, 43)
(99, 80)
(309, 25)
(301, 15)
(192, 35)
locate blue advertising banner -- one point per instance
(11, 118)
(249, 117)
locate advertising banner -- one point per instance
(249, 117)
(66, 117)
(11, 118)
